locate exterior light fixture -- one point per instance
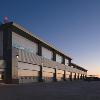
(17, 56)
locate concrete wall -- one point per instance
(1, 45)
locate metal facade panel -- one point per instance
(29, 57)
(37, 59)
(19, 55)
(23, 56)
(48, 63)
(60, 66)
(27, 66)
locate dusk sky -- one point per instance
(72, 26)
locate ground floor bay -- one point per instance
(32, 73)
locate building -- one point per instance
(26, 58)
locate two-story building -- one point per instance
(25, 58)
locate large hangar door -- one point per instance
(27, 73)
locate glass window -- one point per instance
(58, 58)
(47, 53)
(22, 43)
(66, 62)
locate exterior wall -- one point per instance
(1, 45)
(2, 62)
(14, 64)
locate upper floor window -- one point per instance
(66, 62)
(58, 58)
(22, 43)
(47, 53)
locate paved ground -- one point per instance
(77, 90)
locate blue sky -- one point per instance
(73, 26)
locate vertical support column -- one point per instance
(7, 54)
(75, 76)
(55, 75)
(54, 56)
(40, 54)
(39, 49)
(78, 76)
(70, 76)
(64, 77)
(83, 76)
(40, 75)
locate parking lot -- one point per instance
(75, 90)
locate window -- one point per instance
(22, 43)
(47, 53)
(66, 62)
(58, 58)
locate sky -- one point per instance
(72, 26)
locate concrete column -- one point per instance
(55, 75)
(78, 76)
(64, 76)
(7, 54)
(70, 76)
(75, 76)
(40, 75)
(39, 49)
(83, 76)
(40, 79)
(54, 56)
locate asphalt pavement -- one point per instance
(75, 90)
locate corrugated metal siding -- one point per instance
(60, 66)
(48, 63)
(29, 57)
(38, 60)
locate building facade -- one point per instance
(25, 58)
